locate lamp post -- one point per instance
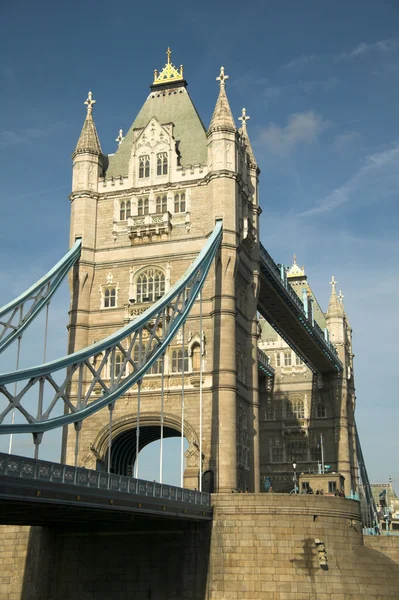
(294, 467)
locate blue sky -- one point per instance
(320, 81)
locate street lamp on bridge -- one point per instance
(294, 478)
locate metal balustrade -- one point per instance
(313, 328)
(44, 471)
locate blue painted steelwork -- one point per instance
(168, 313)
(291, 299)
(37, 471)
(367, 503)
(263, 363)
(39, 294)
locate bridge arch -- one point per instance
(123, 448)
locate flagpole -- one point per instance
(322, 453)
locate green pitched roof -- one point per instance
(172, 105)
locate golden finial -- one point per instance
(169, 73)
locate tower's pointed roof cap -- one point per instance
(335, 307)
(88, 140)
(244, 133)
(222, 118)
(295, 270)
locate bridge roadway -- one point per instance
(284, 310)
(38, 492)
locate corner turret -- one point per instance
(87, 156)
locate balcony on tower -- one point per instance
(149, 228)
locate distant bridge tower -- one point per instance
(143, 214)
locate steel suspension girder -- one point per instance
(137, 345)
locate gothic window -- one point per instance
(298, 361)
(125, 210)
(177, 360)
(180, 202)
(270, 413)
(110, 297)
(118, 365)
(277, 450)
(144, 166)
(278, 359)
(297, 450)
(162, 163)
(287, 359)
(143, 206)
(150, 285)
(321, 411)
(196, 357)
(156, 368)
(295, 409)
(161, 204)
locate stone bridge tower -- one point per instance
(143, 214)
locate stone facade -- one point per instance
(304, 411)
(145, 213)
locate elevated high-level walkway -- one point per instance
(284, 310)
(37, 492)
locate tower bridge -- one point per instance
(181, 324)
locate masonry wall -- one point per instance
(263, 546)
(260, 546)
(385, 544)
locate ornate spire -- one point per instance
(222, 118)
(243, 130)
(334, 306)
(169, 73)
(119, 139)
(88, 140)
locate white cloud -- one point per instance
(9, 137)
(372, 166)
(342, 139)
(300, 62)
(302, 128)
(362, 49)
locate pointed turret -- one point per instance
(335, 308)
(244, 134)
(222, 118)
(88, 140)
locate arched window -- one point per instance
(321, 411)
(161, 204)
(180, 202)
(144, 166)
(295, 409)
(196, 357)
(150, 285)
(143, 206)
(278, 360)
(118, 365)
(297, 450)
(177, 360)
(162, 163)
(125, 210)
(110, 297)
(287, 359)
(298, 361)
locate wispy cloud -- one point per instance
(298, 63)
(302, 128)
(342, 139)
(8, 137)
(371, 167)
(382, 46)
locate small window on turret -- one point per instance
(161, 204)
(144, 166)
(143, 206)
(110, 297)
(124, 210)
(162, 163)
(180, 202)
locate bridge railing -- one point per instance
(45, 471)
(263, 361)
(282, 282)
